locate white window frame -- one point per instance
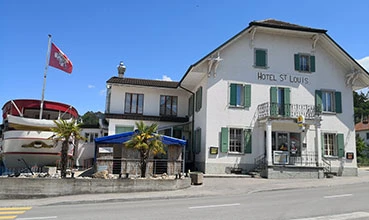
(326, 102)
(134, 107)
(330, 145)
(235, 139)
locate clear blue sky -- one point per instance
(155, 39)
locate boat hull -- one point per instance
(30, 148)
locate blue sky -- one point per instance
(156, 39)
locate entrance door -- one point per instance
(117, 159)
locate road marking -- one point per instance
(8, 217)
(337, 196)
(15, 208)
(213, 206)
(36, 218)
(347, 216)
(12, 212)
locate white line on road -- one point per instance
(337, 196)
(213, 206)
(34, 218)
(347, 216)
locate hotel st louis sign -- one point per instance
(282, 77)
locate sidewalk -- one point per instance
(212, 186)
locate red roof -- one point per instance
(362, 126)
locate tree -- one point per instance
(66, 131)
(361, 106)
(90, 119)
(360, 146)
(146, 142)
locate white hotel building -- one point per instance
(276, 97)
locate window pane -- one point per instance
(127, 108)
(168, 105)
(330, 145)
(235, 140)
(238, 94)
(280, 101)
(140, 104)
(304, 63)
(327, 99)
(174, 105)
(168, 102)
(162, 105)
(134, 103)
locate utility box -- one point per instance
(196, 178)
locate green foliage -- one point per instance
(361, 106)
(64, 131)
(363, 161)
(146, 141)
(361, 147)
(90, 119)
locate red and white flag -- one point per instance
(59, 60)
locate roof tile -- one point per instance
(143, 82)
(285, 25)
(362, 126)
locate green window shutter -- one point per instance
(190, 106)
(260, 58)
(312, 63)
(341, 145)
(247, 96)
(297, 62)
(338, 102)
(224, 140)
(121, 129)
(198, 99)
(273, 101)
(287, 102)
(198, 140)
(318, 101)
(233, 94)
(248, 142)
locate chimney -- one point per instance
(121, 69)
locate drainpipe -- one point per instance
(193, 125)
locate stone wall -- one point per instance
(24, 188)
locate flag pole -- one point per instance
(45, 72)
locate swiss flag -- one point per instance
(59, 60)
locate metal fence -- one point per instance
(268, 109)
(305, 159)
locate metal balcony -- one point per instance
(288, 111)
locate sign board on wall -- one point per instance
(282, 77)
(105, 150)
(213, 150)
(350, 155)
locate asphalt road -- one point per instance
(321, 203)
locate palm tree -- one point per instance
(65, 131)
(146, 142)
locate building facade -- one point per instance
(276, 98)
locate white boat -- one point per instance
(28, 140)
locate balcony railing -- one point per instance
(286, 110)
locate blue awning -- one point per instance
(126, 136)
